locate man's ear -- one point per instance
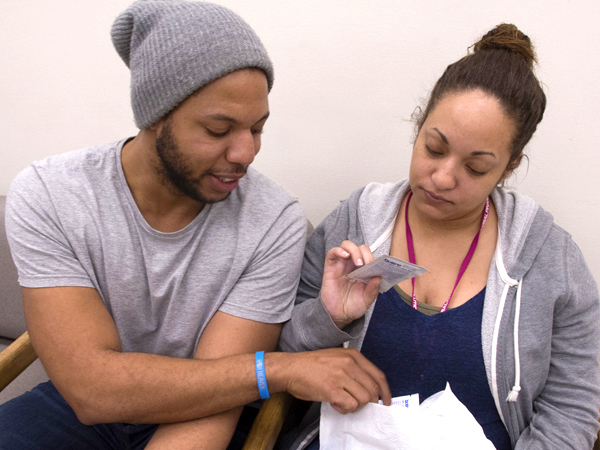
(156, 126)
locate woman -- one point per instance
(508, 313)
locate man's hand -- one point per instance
(343, 377)
(346, 299)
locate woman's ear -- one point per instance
(509, 169)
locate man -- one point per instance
(153, 268)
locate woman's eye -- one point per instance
(217, 134)
(476, 172)
(432, 152)
(258, 132)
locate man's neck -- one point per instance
(162, 207)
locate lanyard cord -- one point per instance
(463, 266)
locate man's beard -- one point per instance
(176, 172)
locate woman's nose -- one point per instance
(444, 176)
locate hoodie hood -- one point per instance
(520, 241)
(516, 214)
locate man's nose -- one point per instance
(243, 149)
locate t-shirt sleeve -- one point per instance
(40, 249)
(266, 290)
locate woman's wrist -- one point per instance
(341, 324)
(334, 311)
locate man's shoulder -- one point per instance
(70, 171)
(261, 202)
(259, 185)
(72, 163)
(258, 194)
(87, 159)
(62, 185)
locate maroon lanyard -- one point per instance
(463, 266)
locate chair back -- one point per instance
(12, 320)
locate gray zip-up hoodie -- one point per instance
(541, 318)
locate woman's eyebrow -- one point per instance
(475, 153)
(442, 135)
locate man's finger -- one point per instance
(363, 390)
(377, 376)
(344, 403)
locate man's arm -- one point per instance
(225, 335)
(79, 345)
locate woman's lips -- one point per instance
(435, 198)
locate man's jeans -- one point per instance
(42, 419)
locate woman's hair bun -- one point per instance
(506, 36)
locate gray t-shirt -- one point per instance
(71, 221)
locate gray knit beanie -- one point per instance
(174, 47)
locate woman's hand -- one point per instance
(346, 299)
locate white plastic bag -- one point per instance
(440, 422)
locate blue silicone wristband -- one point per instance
(261, 378)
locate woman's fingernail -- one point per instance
(359, 262)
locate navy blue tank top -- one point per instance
(420, 353)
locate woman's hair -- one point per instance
(501, 65)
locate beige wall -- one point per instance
(348, 76)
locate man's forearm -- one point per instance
(79, 345)
(143, 388)
(209, 433)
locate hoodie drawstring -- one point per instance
(514, 393)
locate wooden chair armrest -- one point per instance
(15, 358)
(268, 422)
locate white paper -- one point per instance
(406, 401)
(391, 270)
(440, 422)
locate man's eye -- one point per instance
(258, 131)
(216, 134)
